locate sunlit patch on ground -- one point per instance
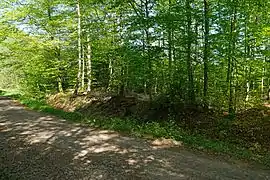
(37, 146)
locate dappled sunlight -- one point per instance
(99, 137)
(39, 140)
(101, 148)
(46, 118)
(132, 161)
(40, 137)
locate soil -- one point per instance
(37, 146)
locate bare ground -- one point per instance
(36, 146)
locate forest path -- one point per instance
(36, 146)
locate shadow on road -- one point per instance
(39, 146)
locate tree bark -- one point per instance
(78, 81)
(60, 78)
(206, 52)
(150, 73)
(170, 44)
(83, 69)
(56, 49)
(191, 92)
(231, 62)
(263, 74)
(89, 65)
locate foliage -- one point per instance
(220, 58)
(212, 55)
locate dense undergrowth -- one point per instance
(245, 137)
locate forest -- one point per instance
(197, 60)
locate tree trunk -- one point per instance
(231, 58)
(263, 74)
(145, 68)
(191, 92)
(247, 91)
(170, 44)
(83, 69)
(206, 52)
(110, 74)
(59, 80)
(78, 81)
(150, 76)
(89, 65)
(56, 50)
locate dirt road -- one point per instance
(36, 146)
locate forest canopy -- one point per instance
(209, 52)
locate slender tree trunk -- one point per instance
(111, 71)
(191, 91)
(89, 65)
(206, 51)
(247, 91)
(248, 83)
(196, 54)
(229, 71)
(246, 56)
(110, 74)
(57, 49)
(121, 91)
(170, 44)
(83, 69)
(59, 80)
(156, 85)
(78, 81)
(145, 68)
(49, 12)
(231, 61)
(150, 73)
(127, 78)
(262, 83)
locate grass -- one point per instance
(153, 129)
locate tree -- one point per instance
(191, 93)
(211, 52)
(79, 78)
(206, 50)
